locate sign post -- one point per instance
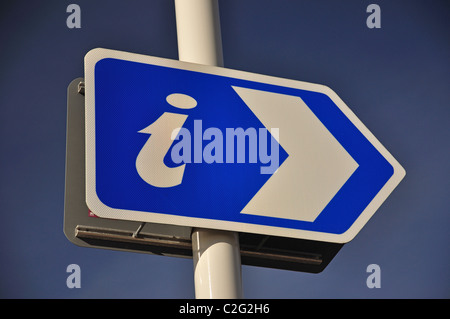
(227, 153)
(216, 254)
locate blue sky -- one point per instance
(395, 79)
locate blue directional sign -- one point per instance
(186, 144)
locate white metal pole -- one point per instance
(217, 264)
(216, 254)
(198, 31)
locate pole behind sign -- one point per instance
(216, 254)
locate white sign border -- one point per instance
(104, 211)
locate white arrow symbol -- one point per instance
(317, 166)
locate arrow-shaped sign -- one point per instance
(227, 149)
